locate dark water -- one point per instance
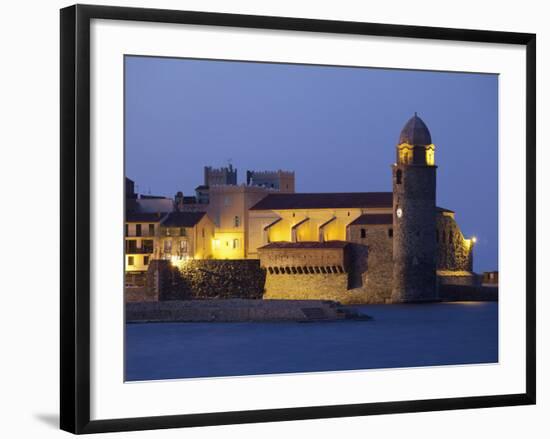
(399, 336)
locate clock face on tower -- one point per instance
(399, 212)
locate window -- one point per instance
(398, 177)
(390, 232)
(131, 246)
(130, 260)
(146, 260)
(126, 231)
(363, 233)
(236, 243)
(237, 221)
(202, 232)
(138, 229)
(167, 246)
(183, 246)
(147, 245)
(151, 230)
(430, 157)
(183, 231)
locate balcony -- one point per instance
(139, 250)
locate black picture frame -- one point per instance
(75, 217)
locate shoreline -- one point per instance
(240, 310)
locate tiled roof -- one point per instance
(329, 200)
(182, 219)
(304, 245)
(143, 217)
(373, 219)
(153, 197)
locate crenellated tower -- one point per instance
(414, 215)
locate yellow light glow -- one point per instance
(474, 239)
(405, 154)
(179, 261)
(228, 245)
(430, 157)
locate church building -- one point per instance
(364, 247)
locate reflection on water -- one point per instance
(398, 336)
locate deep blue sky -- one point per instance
(336, 127)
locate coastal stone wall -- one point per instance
(355, 274)
(139, 294)
(453, 293)
(235, 278)
(201, 279)
(374, 257)
(239, 310)
(458, 278)
(454, 253)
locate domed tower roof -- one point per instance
(415, 132)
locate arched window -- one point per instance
(398, 176)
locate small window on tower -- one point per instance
(390, 233)
(398, 177)
(363, 233)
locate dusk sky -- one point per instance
(336, 127)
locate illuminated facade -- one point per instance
(399, 244)
(356, 247)
(173, 236)
(141, 240)
(184, 236)
(229, 207)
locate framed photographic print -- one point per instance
(268, 218)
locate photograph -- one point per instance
(297, 218)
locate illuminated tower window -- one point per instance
(430, 157)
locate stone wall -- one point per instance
(454, 293)
(374, 256)
(139, 294)
(453, 251)
(164, 281)
(458, 278)
(235, 278)
(239, 310)
(354, 274)
(200, 279)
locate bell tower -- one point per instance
(414, 215)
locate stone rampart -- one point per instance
(201, 279)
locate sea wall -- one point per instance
(202, 279)
(453, 251)
(352, 275)
(457, 293)
(238, 310)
